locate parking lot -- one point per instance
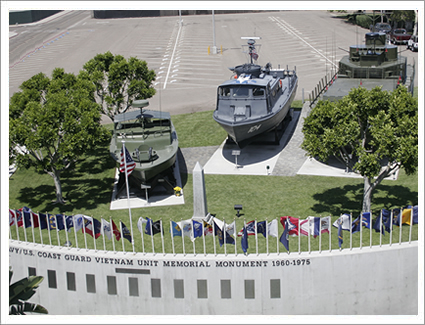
(181, 52)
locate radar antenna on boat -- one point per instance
(252, 51)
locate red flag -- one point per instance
(294, 223)
(116, 231)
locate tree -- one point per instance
(55, 121)
(372, 132)
(118, 82)
(20, 292)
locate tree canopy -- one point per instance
(118, 81)
(54, 121)
(372, 132)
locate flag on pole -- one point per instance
(249, 227)
(128, 162)
(175, 229)
(345, 222)
(365, 217)
(156, 227)
(272, 228)
(340, 228)
(92, 226)
(105, 228)
(220, 233)
(140, 223)
(244, 240)
(288, 227)
(78, 221)
(378, 225)
(293, 225)
(125, 232)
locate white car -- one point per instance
(412, 43)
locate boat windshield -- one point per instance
(241, 92)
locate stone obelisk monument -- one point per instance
(199, 195)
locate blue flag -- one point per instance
(396, 217)
(125, 232)
(365, 217)
(262, 228)
(284, 237)
(221, 233)
(175, 229)
(156, 227)
(244, 240)
(27, 218)
(197, 229)
(43, 220)
(379, 224)
(340, 239)
(415, 215)
(386, 220)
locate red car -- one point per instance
(399, 35)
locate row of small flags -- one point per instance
(210, 225)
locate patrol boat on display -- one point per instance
(255, 100)
(374, 63)
(151, 140)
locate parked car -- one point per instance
(399, 35)
(412, 43)
(381, 28)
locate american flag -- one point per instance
(129, 161)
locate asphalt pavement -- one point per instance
(188, 72)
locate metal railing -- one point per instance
(216, 236)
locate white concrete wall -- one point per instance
(368, 281)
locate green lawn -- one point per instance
(88, 190)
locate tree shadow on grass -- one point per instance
(349, 198)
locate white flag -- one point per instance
(272, 228)
(140, 223)
(105, 228)
(345, 219)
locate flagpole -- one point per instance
(370, 228)
(103, 231)
(411, 224)
(32, 227)
(256, 238)
(10, 232)
(203, 237)
(193, 236)
(128, 192)
(122, 238)
(243, 234)
(182, 229)
(236, 236)
(351, 230)
(330, 233)
(94, 233)
(153, 244)
(299, 237)
(113, 235)
(361, 230)
(25, 227)
(84, 232)
(224, 230)
(213, 227)
(391, 228)
(267, 237)
(66, 230)
(380, 229)
(309, 230)
(75, 231)
(172, 236)
(57, 229)
(400, 225)
(277, 237)
(48, 228)
(320, 234)
(162, 236)
(16, 224)
(143, 240)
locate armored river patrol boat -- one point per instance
(151, 140)
(255, 100)
(375, 63)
